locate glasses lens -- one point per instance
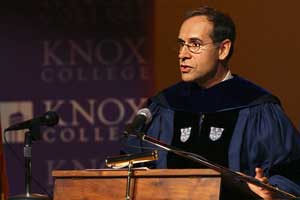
(194, 47)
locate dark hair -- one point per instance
(223, 25)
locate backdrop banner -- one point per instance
(91, 62)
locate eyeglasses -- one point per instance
(194, 46)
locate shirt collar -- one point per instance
(228, 76)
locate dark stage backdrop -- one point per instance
(90, 61)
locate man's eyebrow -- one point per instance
(195, 39)
(180, 40)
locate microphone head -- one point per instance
(147, 113)
(143, 117)
(50, 118)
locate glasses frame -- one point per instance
(190, 46)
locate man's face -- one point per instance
(203, 65)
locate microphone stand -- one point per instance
(130, 159)
(128, 185)
(224, 171)
(32, 134)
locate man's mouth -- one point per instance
(185, 68)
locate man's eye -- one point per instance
(195, 44)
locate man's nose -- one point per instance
(184, 52)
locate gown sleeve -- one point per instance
(272, 143)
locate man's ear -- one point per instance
(224, 49)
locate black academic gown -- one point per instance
(260, 133)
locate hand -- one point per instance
(265, 194)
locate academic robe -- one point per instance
(263, 135)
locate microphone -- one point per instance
(142, 118)
(49, 118)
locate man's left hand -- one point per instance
(265, 194)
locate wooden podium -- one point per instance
(163, 184)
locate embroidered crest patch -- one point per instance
(185, 134)
(215, 133)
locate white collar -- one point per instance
(228, 76)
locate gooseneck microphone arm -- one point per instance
(224, 171)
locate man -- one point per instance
(221, 116)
